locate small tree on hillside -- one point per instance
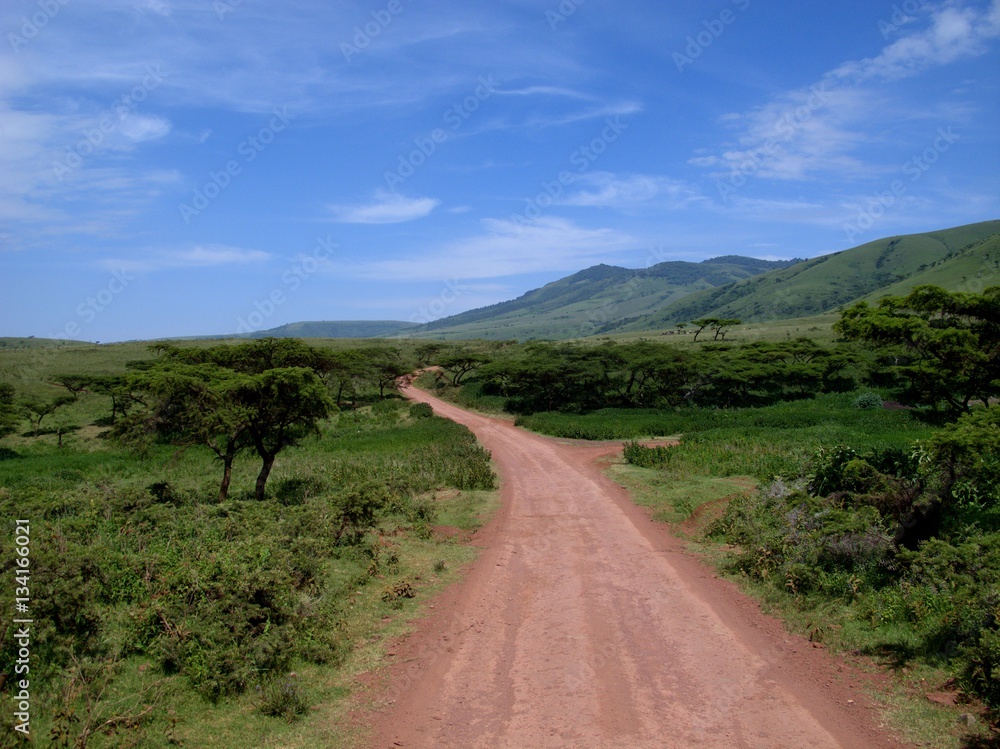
(722, 325)
(36, 409)
(191, 405)
(116, 387)
(76, 384)
(283, 405)
(701, 323)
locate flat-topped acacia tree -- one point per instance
(231, 399)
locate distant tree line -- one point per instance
(931, 348)
(643, 374)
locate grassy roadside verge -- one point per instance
(164, 618)
(908, 707)
(694, 484)
(371, 622)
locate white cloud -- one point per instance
(507, 248)
(140, 128)
(197, 256)
(545, 91)
(954, 33)
(159, 7)
(609, 190)
(388, 208)
(819, 129)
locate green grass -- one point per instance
(760, 442)
(107, 547)
(903, 704)
(673, 498)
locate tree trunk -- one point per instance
(227, 475)
(265, 471)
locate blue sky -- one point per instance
(186, 167)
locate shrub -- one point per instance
(981, 667)
(421, 411)
(966, 456)
(282, 698)
(396, 592)
(295, 491)
(646, 457)
(359, 508)
(807, 543)
(868, 401)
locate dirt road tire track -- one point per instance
(584, 624)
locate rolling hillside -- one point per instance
(337, 329)
(972, 270)
(886, 266)
(586, 302)
(318, 329)
(607, 299)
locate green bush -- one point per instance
(295, 491)
(807, 544)
(421, 411)
(282, 698)
(646, 457)
(981, 666)
(909, 537)
(868, 401)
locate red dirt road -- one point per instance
(584, 624)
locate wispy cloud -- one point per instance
(139, 128)
(820, 129)
(629, 191)
(198, 256)
(954, 33)
(387, 208)
(507, 248)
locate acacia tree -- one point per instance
(191, 405)
(36, 409)
(116, 387)
(229, 399)
(701, 323)
(384, 366)
(282, 406)
(342, 371)
(722, 325)
(76, 384)
(460, 364)
(948, 342)
(718, 325)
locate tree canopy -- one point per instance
(231, 399)
(945, 345)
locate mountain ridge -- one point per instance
(609, 299)
(580, 302)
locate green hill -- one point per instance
(335, 329)
(974, 269)
(318, 329)
(31, 342)
(587, 302)
(813, 287)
